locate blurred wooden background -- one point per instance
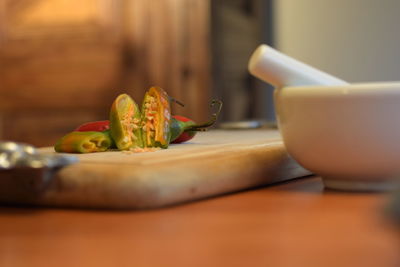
(62, 62)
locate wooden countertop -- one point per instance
(295, 223)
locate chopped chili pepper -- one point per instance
(84, 142)
(156, 118)
(128, 128)
(182, 129)
(125, 127)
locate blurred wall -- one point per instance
(356, 40)
(62, 62)
(238, 27)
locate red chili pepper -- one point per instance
(186, 135)
(95, 126)
(181, 118)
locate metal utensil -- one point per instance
(24, 169)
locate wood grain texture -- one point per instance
(60, 56)
(46, 127)
(290, 224)
(57, 56)
(217, 162)
(168, 44)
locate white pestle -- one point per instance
(281, 70)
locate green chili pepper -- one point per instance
(84, 142)
(156, 118)
(178, 127)
(125, 123)
(184, 129)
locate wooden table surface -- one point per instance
(295, 223)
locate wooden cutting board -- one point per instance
(214, 163)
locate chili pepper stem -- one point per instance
(214, 116)
(171, 99)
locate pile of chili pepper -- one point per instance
(130, 127)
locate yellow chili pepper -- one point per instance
(84, 142)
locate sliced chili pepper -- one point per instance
(125, 125)
(96, 126)
(84, 142)
(183, 129)
(156, 118)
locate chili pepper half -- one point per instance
(96, 126)
(125, 124)
(84, 142)
(156, 118)
(183, 129)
